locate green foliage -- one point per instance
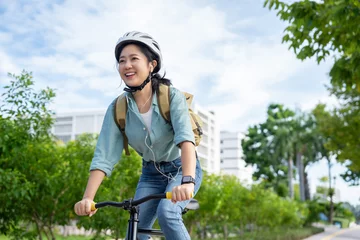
(320, 30)
(340, 130)
(38, 184)
(120, 186)
(264, 147)
(314, 209)
(272, 147)
(344, 222)
(228, 207)
(27, 110)
(24, 123)
(15, 190)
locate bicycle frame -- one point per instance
(133, 208)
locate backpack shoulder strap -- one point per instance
(189, 97)
(120, 110)
(164, 101)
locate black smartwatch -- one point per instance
(187, 179)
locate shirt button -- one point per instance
(151, 146)
(144, 129)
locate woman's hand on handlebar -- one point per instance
(83, 207)
(182, 192)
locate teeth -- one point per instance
(129, 74)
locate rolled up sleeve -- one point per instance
(109, 145)
(180, 117)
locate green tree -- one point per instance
(322, 117)
(265, 146)
(24, 119)
(120, 186)
(331, 29)
(323, 29)
(38, 187)
(307, 145)
(281, 122)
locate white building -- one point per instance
(209, 148)
(69, 125)
(231, 157)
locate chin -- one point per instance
(132, 83)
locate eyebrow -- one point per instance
(131, 55)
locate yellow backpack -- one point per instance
(164, 106)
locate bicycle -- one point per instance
(133, 207)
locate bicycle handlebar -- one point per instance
(130, 202)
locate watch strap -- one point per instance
(187, 179)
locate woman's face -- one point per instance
(134, 67)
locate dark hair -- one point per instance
(156, 78)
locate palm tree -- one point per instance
(281, 121)
(307, 147)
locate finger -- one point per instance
(92, 213)
(184, 195)
(78, 209)
(87, 207)
(173, 199)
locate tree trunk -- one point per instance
(225, 229)
(38, 228)
(290, 178)
(331, 194)
(191, 228)
(307, 186)
(300, 164)
(52, 235)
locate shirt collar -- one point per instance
(132, 103)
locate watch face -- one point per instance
(187, 179)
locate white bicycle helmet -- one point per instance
(144, 38)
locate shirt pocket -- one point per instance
(163, 133)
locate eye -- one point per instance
(134, 58)
(121, 60)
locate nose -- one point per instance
(127, 64)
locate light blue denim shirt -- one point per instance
(160, 144)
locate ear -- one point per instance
(153, 64)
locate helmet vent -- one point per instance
(155, 44)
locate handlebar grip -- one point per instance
(168, 195)
(93, 208)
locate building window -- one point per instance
(65, 128)
(203, 116)
(65, 138)
(63, 119)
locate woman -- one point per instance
(139, 60)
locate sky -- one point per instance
(227, 53)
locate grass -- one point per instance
(58, 237)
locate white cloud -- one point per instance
(82, 35)
(245, 75)
(7, 65)
(197, 43)
(72, 101)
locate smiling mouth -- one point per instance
(129, 74)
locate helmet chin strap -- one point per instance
(131, 89)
